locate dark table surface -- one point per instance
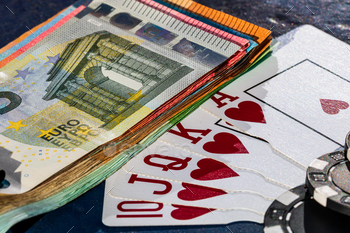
(280, 16)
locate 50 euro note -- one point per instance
(96, 79)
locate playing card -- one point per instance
(146, 188)
(126, 212)
(162, 160)
(297, 99)
(209, 136)
(120, 212)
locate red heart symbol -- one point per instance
(225, 143)
(246, 111)
(188, 212)
(210, 169)
(333, 106)
(194, 192)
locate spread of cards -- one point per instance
(244, 154)
(195, 116)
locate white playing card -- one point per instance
(297, 99)
(209, 136)
(185, 166)
(146, 188)
(124, 212)
(121, 212)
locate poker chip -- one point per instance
(285, 214)
(296, 211)
(328, 181)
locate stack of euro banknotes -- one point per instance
(89, 89)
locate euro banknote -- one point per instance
(76, 92)
(93, 80)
